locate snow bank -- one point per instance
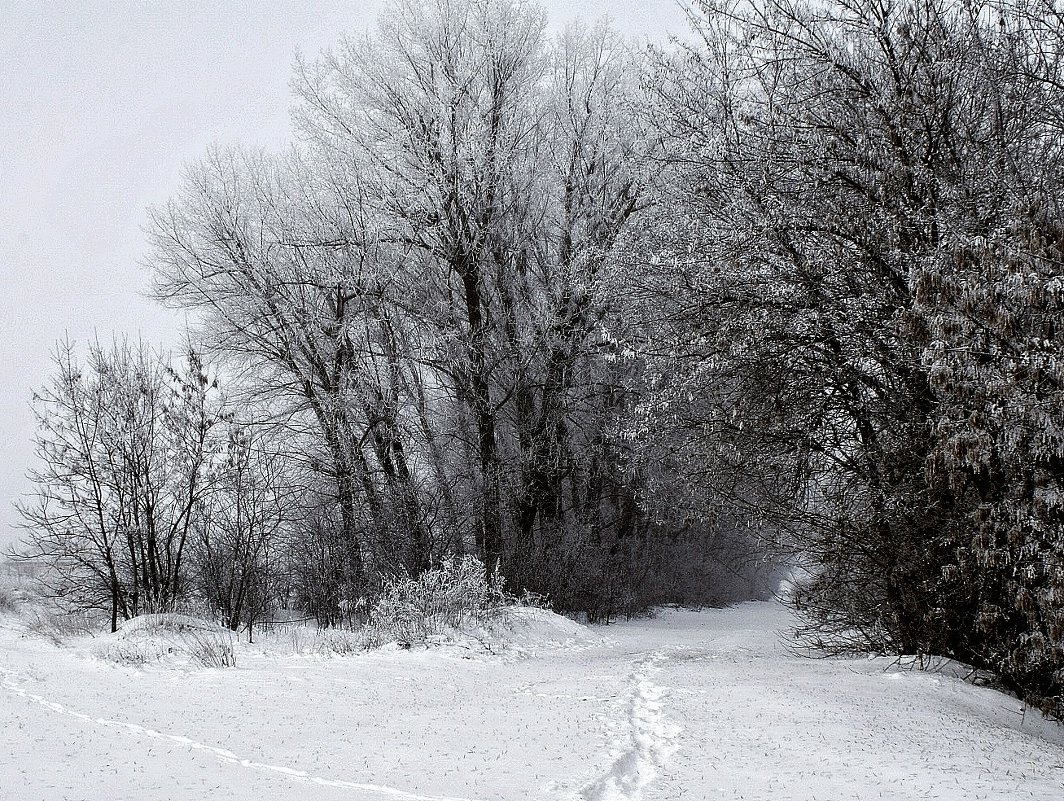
(533, 628)
(159, 623)
(168, 640)
(512, 631)
(547, 626)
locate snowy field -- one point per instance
(689, 705)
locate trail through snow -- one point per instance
(653, 739)
(700, 705)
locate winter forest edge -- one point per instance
(564, 321)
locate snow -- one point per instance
(702, 705)
(162, 623)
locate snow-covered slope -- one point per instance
(689, 705)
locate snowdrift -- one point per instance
(167, 639)
(531, 627)
(182, 641)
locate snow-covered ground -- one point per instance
(689, 705)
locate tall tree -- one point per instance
(241, 246)
(439, 109)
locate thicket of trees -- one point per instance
(860, 273)
(408, 307)
(631, 327)
(126, 447)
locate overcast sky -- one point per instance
(101, 104)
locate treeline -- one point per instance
(632, 327)
(408, 309)
(856, 310)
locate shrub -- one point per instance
(209, 648)
(124, 652)
(455, 595)
(338, 642)
(58, 624)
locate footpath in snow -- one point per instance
(688, 705)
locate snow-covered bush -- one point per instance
(127, 652)
(455, 595)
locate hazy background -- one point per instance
(101, 104)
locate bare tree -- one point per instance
(507, 167)
(125, 445)
(234, 248)
(419, 289)
(238, 529)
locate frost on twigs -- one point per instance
(457, 596)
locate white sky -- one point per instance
(101, 104)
